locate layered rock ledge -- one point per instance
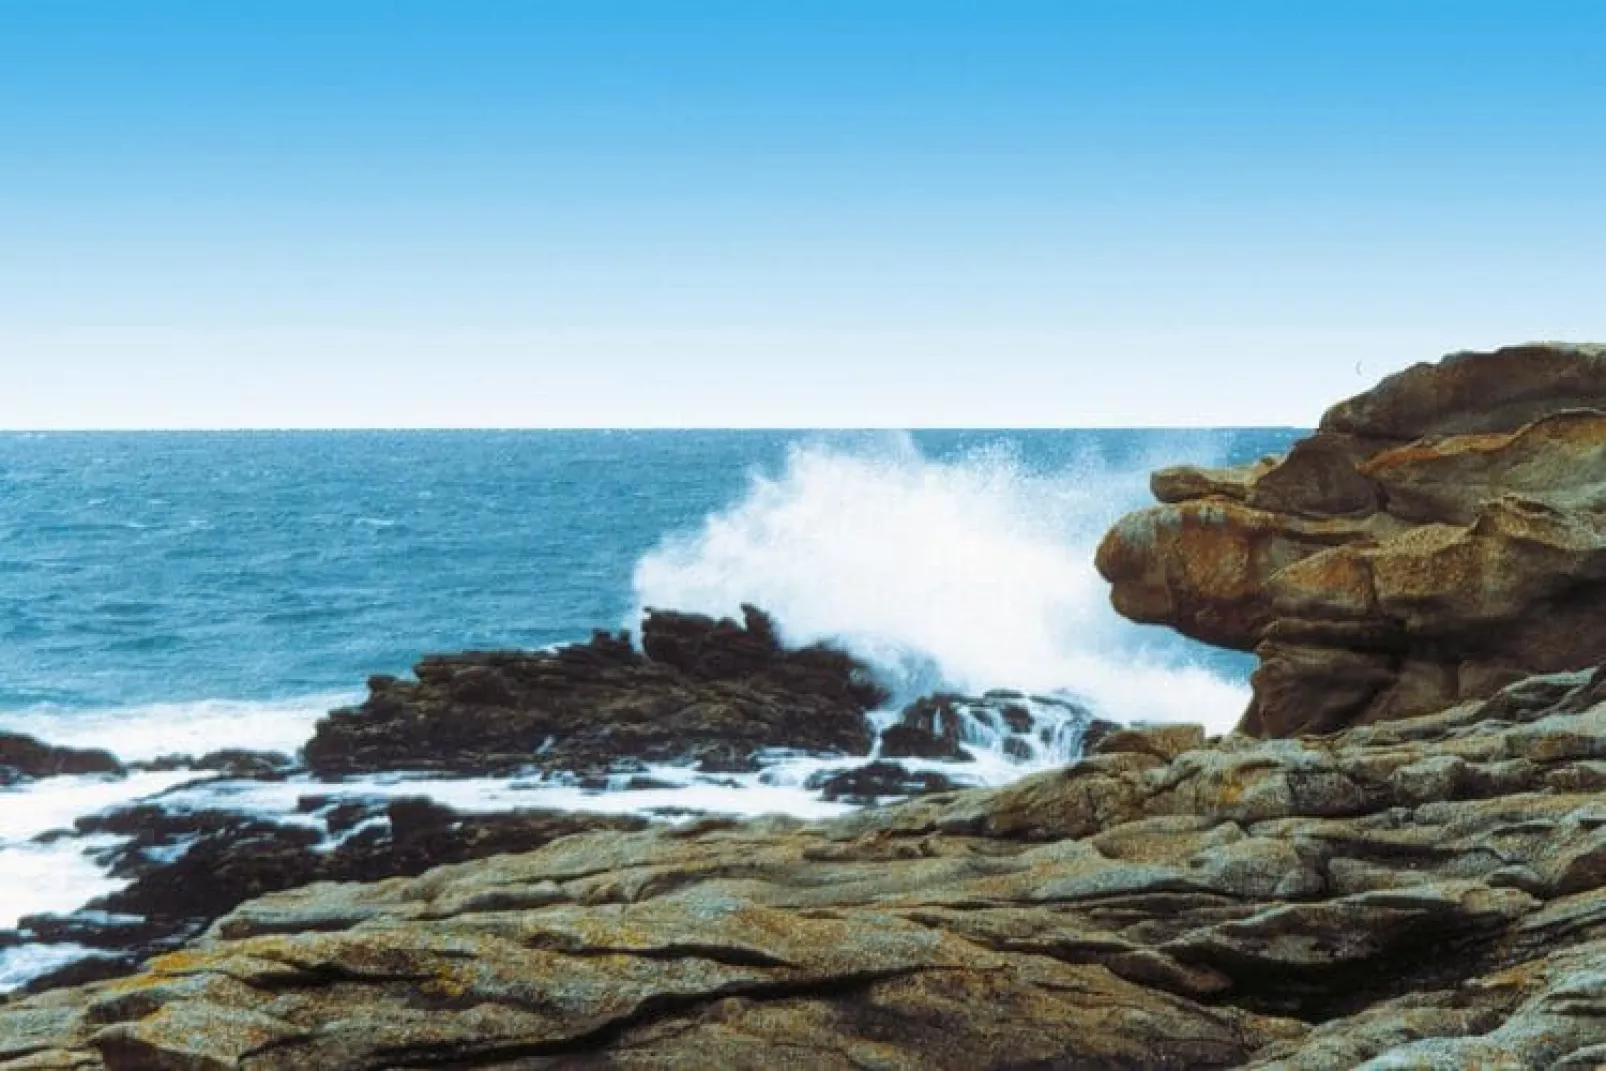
(1437, 538)
(1424, 892)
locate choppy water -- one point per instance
(182, 592)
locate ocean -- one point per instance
(177, 593)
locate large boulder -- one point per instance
(1425, 892)
(701, 690)
(1436, 538)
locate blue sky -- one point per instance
(781, 212)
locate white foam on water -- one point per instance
(20, 965)
(34, 807)
(683, 791)
(43, 879)
(59, 876)
(969, 574)
(195, 727)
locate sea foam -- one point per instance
(968, 574)
(193, 727)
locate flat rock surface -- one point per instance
(1425, 892)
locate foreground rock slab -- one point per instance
(1437, 538)
(1425, 892)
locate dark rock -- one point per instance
(908, 742)
(247, 765)
(701, 691)
(347, 815)
(187, 868)
(233, 763)
(928, 728)
(95, 968)
(24, 757)
(877, 781)
(93, 929)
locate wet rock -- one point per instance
(1436, 539)
(186, 869)
(232, 763)
(949, 727)
(928, 728)
(877, 781)
(23, 757)
(702, 691)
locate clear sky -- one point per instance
(782, 212)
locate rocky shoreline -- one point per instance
(717, 696)
(1398, 861)
(1421, 893)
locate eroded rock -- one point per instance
(1436, 539)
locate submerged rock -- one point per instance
(1438, 537)
(1424, 892)
(705, 691)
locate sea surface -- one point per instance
(176, 593)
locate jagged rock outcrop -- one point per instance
(1422, 892)
(1438, 537)
(701, 690)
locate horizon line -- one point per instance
(469, 428)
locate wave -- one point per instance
(969, 573)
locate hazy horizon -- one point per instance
(621, 213)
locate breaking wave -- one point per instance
(967, 573)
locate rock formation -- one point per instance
(186, 868)
(1422, 892)
(1438, 537)
(24, 758)
(1414, 878)
(705, 690)
(701, 690)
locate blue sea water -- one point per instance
(176, 593)
(170, 567)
